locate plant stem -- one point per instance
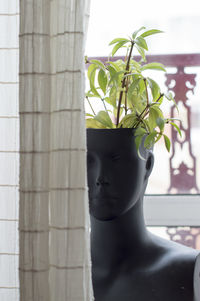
(145, 83)
(126, 92)
(90, 105)
(104, 105)
(142, 121)
(161, 95)
(140, 117)
(124, 82)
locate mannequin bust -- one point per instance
(128, 262)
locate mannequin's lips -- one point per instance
(104, 199)
(103, 195)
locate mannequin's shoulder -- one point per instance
(197, 278)
(182, 257)
(179, 266)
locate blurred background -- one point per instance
(177, 172)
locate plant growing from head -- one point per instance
(134, 98)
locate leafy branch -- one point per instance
(134, 99)
(124, 82)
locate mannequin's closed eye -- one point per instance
(90, 159)
(115, 157)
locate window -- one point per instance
(173, 192)
(9, 144)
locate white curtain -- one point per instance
(53, 214)
(9, 145)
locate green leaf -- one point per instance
(94, 124)
(150, 32)
(116, 78)
(140, 41)
(140, 131)
(130, 74)
(150, 140)
(136, 32)
(167, 142)
(128, 121)
(90, 70)
(141, 86)
(153, 115)
(133, 86)
(153, 66)
(102, 80)
(135, 64)
(174, 101)
(147, 125)
(155, 89)
(136, 102)
(117, 40)
(158, 110)
(158, 137)
(92, 83)
(119, 73)
(169, 95)
(138, 141)
(177, 128)
(141, 52)
(112, 70)
(90, 94)
(160, 123)
(112, 74)
(98, 63)
(89, 115)
(115, 66)
(170, 119)
(104, 119)
(117, 47)
(112, 99)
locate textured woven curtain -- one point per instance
(53, 214)
(9, 146)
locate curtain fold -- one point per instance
(53, 214)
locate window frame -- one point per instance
(172, 210)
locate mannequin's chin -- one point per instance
(107, 215)
(103, 218)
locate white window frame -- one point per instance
(172, 210)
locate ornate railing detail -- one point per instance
(187, 236)
(183, 176)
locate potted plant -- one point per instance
(129, 98)
(128, 262)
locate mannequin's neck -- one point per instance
(121, 240)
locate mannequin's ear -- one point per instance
(149, 164)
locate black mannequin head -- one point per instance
(117, 177)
